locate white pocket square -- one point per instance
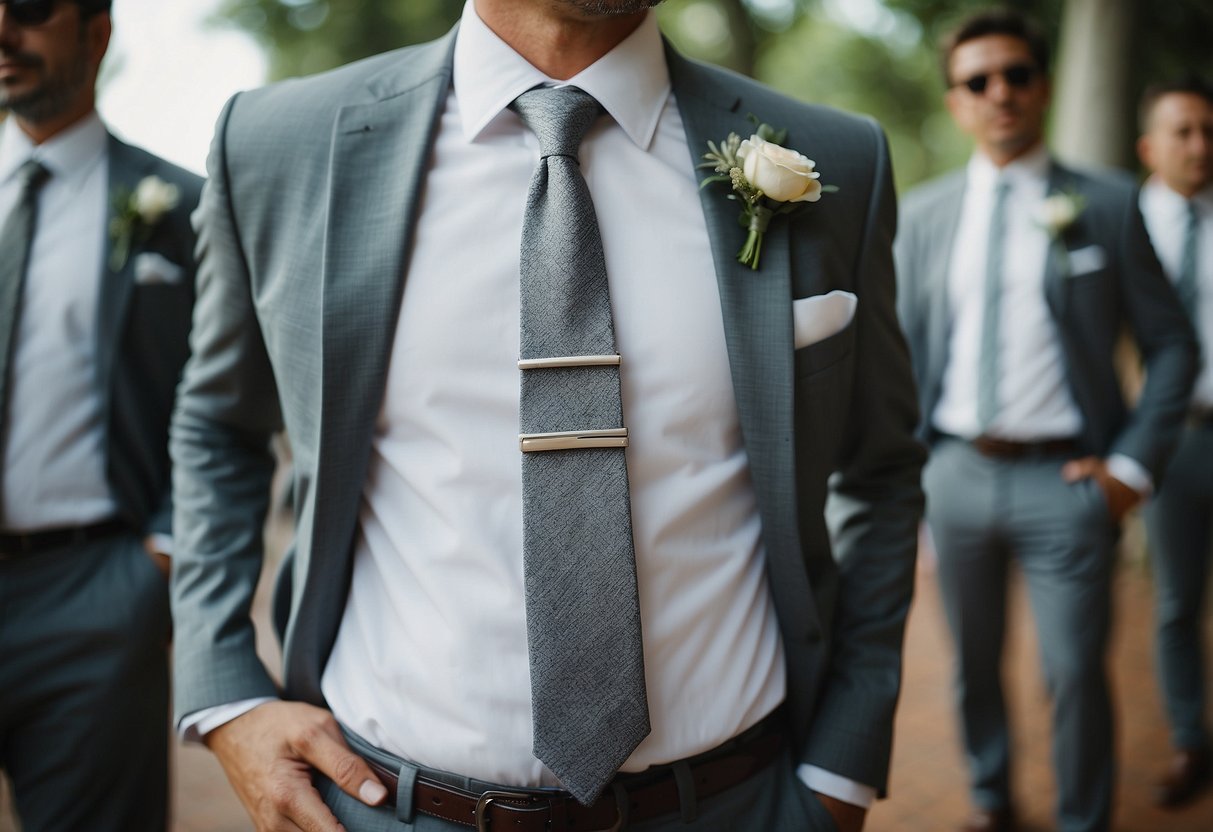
(155, 268)
(817, 318)
(1087, 259)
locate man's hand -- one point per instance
(162, 561)
(1120, 497)
(268, 755)
(847, 816)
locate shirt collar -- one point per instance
(1167, 200)
(1030, 168)
(68, 152)
(632, 81)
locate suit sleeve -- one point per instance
(227, 410)
(1168, 346)
(874, 509)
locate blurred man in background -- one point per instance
(96, 291)
(1017, 275)
(1176, 147)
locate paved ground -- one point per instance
(928, 792)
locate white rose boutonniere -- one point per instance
(1059, 211)
(137, 213)
(766, 177)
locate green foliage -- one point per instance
(802, 47)
(307, 36)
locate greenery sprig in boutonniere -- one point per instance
(767, 178)
(136, 213)
(1059, 211)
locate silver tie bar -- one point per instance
(568, 361)
(573, 440)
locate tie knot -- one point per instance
(32, 175)
(558, 116)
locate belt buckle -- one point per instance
(488, 798)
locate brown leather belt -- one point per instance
(16, 545)
(1200, 417)
(649, 794)
(1007, 449)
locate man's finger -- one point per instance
(322, 745)
(296, 800)
(1080, 469)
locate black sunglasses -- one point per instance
(31, 12)
(1018, 76)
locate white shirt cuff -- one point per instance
(1131, 473)
(163, 543)
(193, 727)
(836, 786)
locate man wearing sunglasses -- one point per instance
(96, 294)
(1017, 275)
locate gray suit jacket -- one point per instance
(1090, 310)
(143, 342)
(303, 241)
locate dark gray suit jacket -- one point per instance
(304, 232)
(1090, 309)
(143, 342)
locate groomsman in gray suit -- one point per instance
(1017, 275)
(96, 292)
(500, 475)
(1176, 146)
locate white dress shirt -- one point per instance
(438, 559)
(54, 453)
(1034, 398)
(1166, 215)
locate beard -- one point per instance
(609, 8)
(52, 94)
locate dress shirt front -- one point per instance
(1166, 215)
(54, 453)
(1033, 396)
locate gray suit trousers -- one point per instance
(983, 513)
(1180, 524)
(774, 800)
(84, 688)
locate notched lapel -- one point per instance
(757, 309)
(126, 169)
(379, 159)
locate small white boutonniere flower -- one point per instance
(1059, 211)
(766, 177)
(137, 213)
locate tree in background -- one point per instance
(869, 56)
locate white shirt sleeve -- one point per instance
(193, 727)
(836, 786)
(1131, 473)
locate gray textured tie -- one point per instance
(1186, 284)
(15, 239)
(991, 318)
(583, 616)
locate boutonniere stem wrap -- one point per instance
(136, 213)
(767, 178)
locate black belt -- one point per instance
(649, 794)
(15, 545)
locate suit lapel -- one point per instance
(380, 151)
(1056, 264)
(756, 308)
(947, 222)
(126, 169)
